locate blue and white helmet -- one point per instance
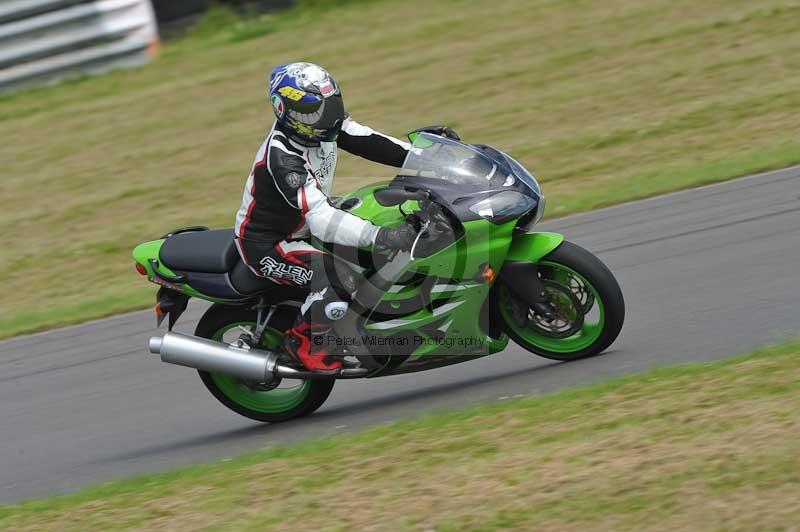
(307, 102)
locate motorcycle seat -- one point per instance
(211, 264)
(200, 251)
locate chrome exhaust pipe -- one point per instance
(237, 360)
(207, 355)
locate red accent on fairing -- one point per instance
(141, 269)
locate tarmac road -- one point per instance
(706, 273)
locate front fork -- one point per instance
(522, 279)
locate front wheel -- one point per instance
(586, 299)
(269, 403)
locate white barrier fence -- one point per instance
(45, 40)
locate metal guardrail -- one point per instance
(46, 40)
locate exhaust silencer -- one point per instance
(207, 355)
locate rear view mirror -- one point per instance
(391, 196)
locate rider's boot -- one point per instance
(308, 343)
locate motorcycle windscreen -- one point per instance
(432, 156)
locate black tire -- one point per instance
(217, 318)
(608, 290)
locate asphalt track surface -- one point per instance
(706, 273)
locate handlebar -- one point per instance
(436, 229)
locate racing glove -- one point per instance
(399, 238)
(442, 131)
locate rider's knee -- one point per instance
(335, 310)
(326, 304)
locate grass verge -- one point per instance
(607, 101)
(702, 446)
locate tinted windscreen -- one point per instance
(436, 157)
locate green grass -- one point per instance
(607, 101)
(705, 446)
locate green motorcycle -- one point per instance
(476, 276)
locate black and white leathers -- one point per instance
(286, 194)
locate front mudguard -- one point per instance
(532, 247)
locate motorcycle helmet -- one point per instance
(307, 103)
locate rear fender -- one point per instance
(170, 303)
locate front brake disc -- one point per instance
(569, 312)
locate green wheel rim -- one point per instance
(586, 336)
(269, 402)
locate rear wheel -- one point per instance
(589, 309)
(287, 399)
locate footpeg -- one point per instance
(350, 362)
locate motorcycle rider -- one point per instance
(286, 199)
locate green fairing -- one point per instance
(533, 247)
(373, 211)
(470, 283)
(149, 250)
(483, 243)
(460, 296)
